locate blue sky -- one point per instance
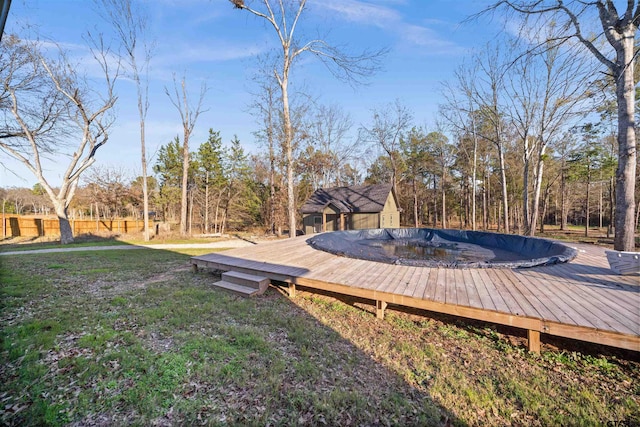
(209, 40)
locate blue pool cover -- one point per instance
(429, 247)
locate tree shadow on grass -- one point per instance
(508, 335)
(328, 380)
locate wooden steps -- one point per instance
(243, 284)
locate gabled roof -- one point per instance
(356, 198)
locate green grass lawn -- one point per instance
(134, 338)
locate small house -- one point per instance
(355, 207)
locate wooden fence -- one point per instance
(32, 226)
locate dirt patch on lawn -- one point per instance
(109, 289)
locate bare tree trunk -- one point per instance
(65, 109)
(624, 239)
(611, 205)
(435, 202)
(188, 115)
(185, 183)
(288, 136)
(129, 24)
(545, 204)
(444, 199)
(467, 207)
(272, 185)
(415, 203)
(525, 192)
(485, 201)
(537, 187)
(206, 204)
(145, 186)
(190, 211)
(505, 193)
(600, 204)
(216, 223)
(474, 185)
(586, 209)
(66, 233)
(563, 199)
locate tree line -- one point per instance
(440, 180)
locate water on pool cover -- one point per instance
(440, 252)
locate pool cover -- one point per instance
(443, 248)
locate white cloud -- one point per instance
(388, 19)
(214, 51)
(426, 37)
(366, 13)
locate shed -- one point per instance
(355, 207)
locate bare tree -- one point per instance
(130, 25)
(266, 106)
(578, 20)
(328, 130)
(442, 153)
(487, 92)
(110, 188)
(47, 101)
(189, 114)
(284, 17)
(546, 93)
(522, 95)
(388, 124)
(460, 113)
(417, 159)
(18, 198)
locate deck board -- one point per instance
(472, 291)
(513, 305)
(546, 304)
(462, 290)
(582, 299)
(430, 289)
(485, 299)
(592, 309)
(561, 293)
(563, 311)
(597, 303)
(386, 278)
(369, 275)
(520, 293)
(615, 302)
(615, 294)
(420, 282)
(441, 286)
(410, 283)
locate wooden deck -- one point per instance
(581, 300)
